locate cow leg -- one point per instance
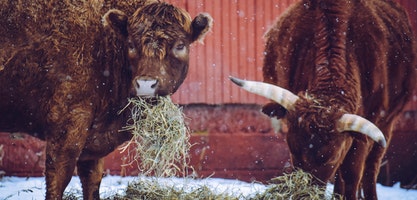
(371, 172)
(339, 185)
(373, 163)
(351, 176)
(352, 170)
(59, 167)
(64, 145)
(91, 172)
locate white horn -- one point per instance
(280, 95)
(351, 122)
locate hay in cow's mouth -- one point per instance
(160, 137)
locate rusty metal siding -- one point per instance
(234, 47)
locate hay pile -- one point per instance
(296, 185)
(155, 190)
(160, 137)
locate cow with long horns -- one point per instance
(348, 67)
(67, 67)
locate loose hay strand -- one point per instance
(160, 137)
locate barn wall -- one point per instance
(235, 47)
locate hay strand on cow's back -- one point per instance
(160, 136)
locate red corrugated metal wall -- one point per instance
(235, 47)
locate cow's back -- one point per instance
(57, 26)
(55, 51)
(388, 71)
(379, 53)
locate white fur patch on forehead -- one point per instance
(162, 70)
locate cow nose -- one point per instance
(145, 86)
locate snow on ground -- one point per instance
(14, 188)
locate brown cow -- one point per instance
(348, 62)
(67, 68)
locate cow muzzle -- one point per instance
(145, 87)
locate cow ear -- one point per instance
(200, 26)
(273, 109)
(116, 20)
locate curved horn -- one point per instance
(280, 95)
(351, 122)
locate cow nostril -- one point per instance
(153, 86)
(145, 86)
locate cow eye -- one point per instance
(180, 50)
(180, 47)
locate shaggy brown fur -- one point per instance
(341, 57)
(68, 66)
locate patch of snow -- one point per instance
(16, 188)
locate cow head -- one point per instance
(159, 37)
(316, 130)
